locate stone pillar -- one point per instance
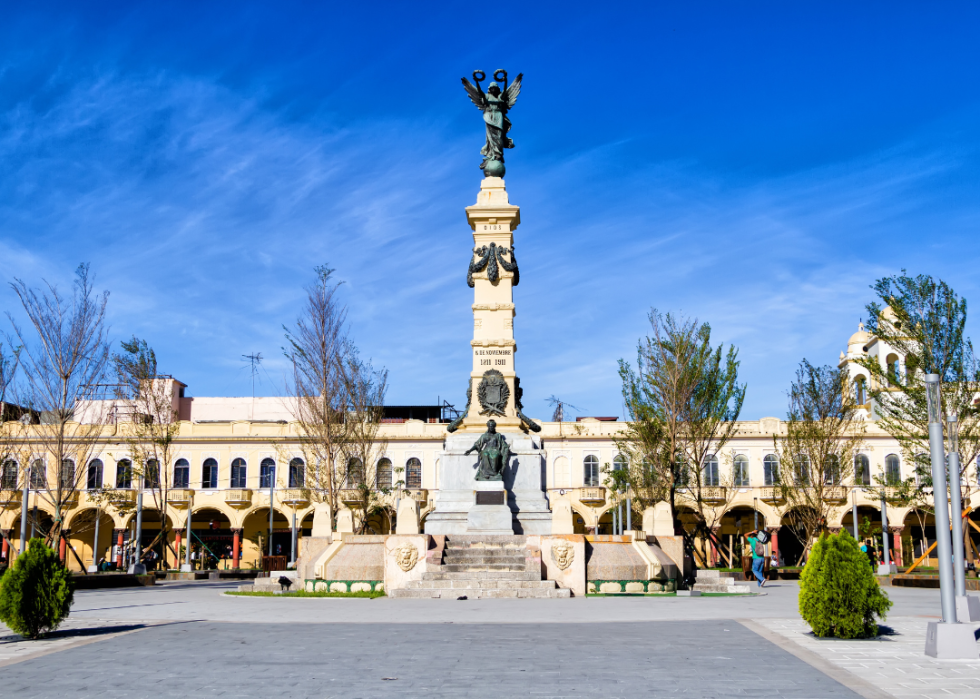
(493, 220)
(711, 542)
(119, 546)
(178, 537)
(896, 544)
(5, 547)
(774, 543)
(63, 545)
(236, 547)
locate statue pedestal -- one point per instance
(490, 513)
(524, 480)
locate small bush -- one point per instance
(839, 595)
(36, 593)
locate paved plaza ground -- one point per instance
(183, 639)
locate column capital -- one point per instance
(896, 529)
(237, 530)
(834, 530)
(774, 529)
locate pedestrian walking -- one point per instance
(758, 557)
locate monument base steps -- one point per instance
(489, 567)
(718, 581)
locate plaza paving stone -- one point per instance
(183, 639)
(696, 659)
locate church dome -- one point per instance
(858, 340)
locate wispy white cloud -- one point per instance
(204, 213)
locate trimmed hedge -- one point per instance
(839, 595)
(36, 594)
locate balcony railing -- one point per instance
(418, 494)
(835, 493)
(180, 497)
(773, 495)
(11, 498)
(295, 497)
(123, 497)
(352, 496)
(239, 497)
(714, 494)
(592, 496)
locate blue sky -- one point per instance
(754, 165)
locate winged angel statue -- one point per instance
(494, 104)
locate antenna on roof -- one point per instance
(255, 359)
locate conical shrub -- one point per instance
(36, 594)
(839, 595)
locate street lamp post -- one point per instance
(270, 513)
(886, 566)
(854, 512)
(967, 607)
(137, 566)
(187, 567)
(23, 512)
(946, 639)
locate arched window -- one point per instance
(893, 470)
(801, 469)
(355, 473)
(8, 480)
(151, 477)
(182, 474)
(267, 473)
(893, 369)
(413, 474)
(862, 470)
(591, 475)
(619, 462)
(770, 469)
(683, 471)
(740, 471)
(93, 480)
(67, 474)
(860, 391)
(239, 473)
(563, 474)
(209, 474)
(711, 479)
(297, 473)
(383, 475)
(124, 473)
(831, 470)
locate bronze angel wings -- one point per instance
(479, 97)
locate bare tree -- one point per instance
(315, 346)
(364, 390)
(149, 400)
(66, 353)
(822, 437)
(683, 402)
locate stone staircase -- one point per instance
(718, 581)
(478, 567)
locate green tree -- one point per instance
(37, 593)
(922, 320)
(817, 449)
(683, 402)
(839, 595)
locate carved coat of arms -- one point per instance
(562, 553)
(493, 393)
(406, 556)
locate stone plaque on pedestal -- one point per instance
(489, 518)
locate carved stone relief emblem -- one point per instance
(562, 553)
(493, 393)
(406, 556)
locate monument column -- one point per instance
(501, 489)
(493, 273)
